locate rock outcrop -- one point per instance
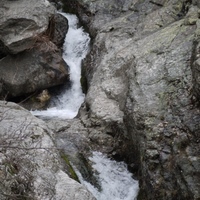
(22, 21)
(142, 103)
(33, 70)
(30, 164)
(59, 29)
(143, 80)
(31, 36)
(73, 141)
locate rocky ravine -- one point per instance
(142, 102)
(31, 36)
(143, 89)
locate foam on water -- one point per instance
(116, 181)
(75, 49)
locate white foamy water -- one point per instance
(116, 181)
(74, 51)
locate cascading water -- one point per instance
(116, 182)
(74, 51)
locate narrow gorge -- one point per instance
(141, 80)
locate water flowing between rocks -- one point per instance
(116, 181)
(75, 49)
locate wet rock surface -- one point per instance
(73, 141)
(59, 29)
(142, 101)
(143, 84)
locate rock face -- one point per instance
(60, 28)
(31, 36)
(142, 103)
(30, 165)
(39, 68)
(143, 78)
(73, 141)
(196, 69)
(21, 21)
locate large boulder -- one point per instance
(30, 164)
(31, 34)
(140, 87)
(21, 22)
(59, 29)
(37, 69)
(75, 143)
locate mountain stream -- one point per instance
(116, 181)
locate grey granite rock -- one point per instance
(30, 164)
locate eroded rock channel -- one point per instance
(141, 79)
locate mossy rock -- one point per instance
(71, 171)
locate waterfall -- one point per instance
(75, 49)
(116, 181)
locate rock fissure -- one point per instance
(158, 106)
(142, 94)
